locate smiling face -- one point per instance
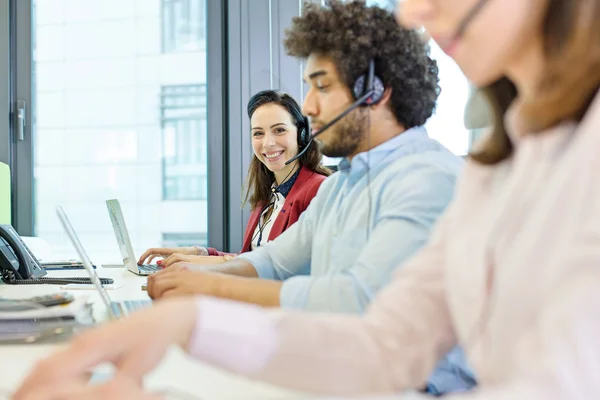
(496, 42)
(274, 137)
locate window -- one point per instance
(183, 25)
(447, 123)
(108, 105)
(183, 111)
(184, 239)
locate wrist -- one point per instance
(215, 284)
(189, 308)
(200, 251)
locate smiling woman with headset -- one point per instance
(278, 191)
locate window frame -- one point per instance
(21, 36)
(173, 100)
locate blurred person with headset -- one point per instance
(278, 192)
(511, 271)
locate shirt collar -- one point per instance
(286, 186)
(374, 156)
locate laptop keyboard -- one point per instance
(121, 308)
(149, 268)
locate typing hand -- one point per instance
(119, 388)
(154, 252)
(178, 280)
(125, 343)
(178, 257)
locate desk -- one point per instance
(176, 370)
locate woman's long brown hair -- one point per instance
(571, 34)
(259, 180)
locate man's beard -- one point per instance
(347, 136)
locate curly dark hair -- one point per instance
(352, 34)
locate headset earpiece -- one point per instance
(304, 133)
(366, 82)
(368, 89)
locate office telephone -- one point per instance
(18, 265)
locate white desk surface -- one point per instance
(176, 370)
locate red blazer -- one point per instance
(303, 191)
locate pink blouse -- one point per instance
(512, 274)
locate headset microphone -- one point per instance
(372, 93)
(330, 123)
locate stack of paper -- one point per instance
(44, 324)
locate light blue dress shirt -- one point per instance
(365, 221)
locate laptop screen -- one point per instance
(84, 258)
(121, 234)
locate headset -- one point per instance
(367, 90)
(304, 133)
(369, 86)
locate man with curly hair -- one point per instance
(378, 211)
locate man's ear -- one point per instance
(385, 99)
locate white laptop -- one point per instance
(115, 309)
(122, 235)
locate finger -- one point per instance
(125, 388)
(152, 253)
(120, 388)
(165, 284)
(151, 289)
(146, 254)
(182, 258)
(165, 272)
(174, 292)
(169, 260)
(48, 391)
(86, 351)
(137, 367)
(174, 258)
(45, 374)
(67, 391)
(73, 391)
(154, 256)
(180, 266)
(157, 277)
